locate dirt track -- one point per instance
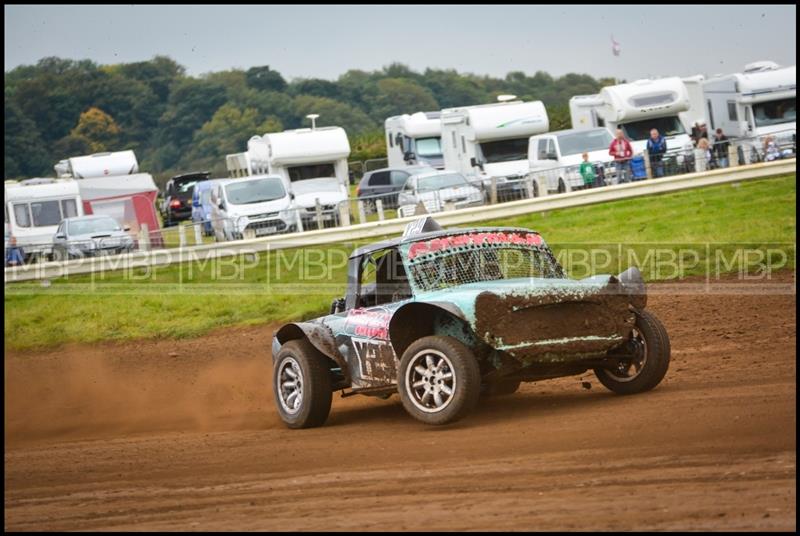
(132, 437)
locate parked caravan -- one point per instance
(414, 139)
(254, 161)
(760, 101)
(98, 165)
(129, 199)
(491, 140)
(35, 207)
(636, 108)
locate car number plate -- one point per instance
(261, 231)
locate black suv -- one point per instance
(177, 204)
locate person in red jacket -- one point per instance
(622, 152)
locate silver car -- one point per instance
(436, 190)
(89, 236)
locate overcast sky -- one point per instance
(325, 41)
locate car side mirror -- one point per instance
(61, 236)
(337, 306)
(474, 162)
(291, 196)
(552, 156)
(126, 228)
(221, 205)
(408, 156)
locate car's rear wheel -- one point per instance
(301, 383)
(438, 380)
(561, 186)
(648, 361)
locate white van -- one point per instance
(35, 207)
(251, 207)
(557, 156)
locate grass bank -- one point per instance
(691, 231)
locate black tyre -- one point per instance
(501, 388)
(561, 186)
(650, 354)
(301, 382)
(438, 380)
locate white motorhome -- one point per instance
(35, 207)
(491, 140)
(313, 165)
(760, 101)
(636, 108)
(98, 165)
(414, 139)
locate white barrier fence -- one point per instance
(163, 257)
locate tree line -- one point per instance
(177, 123)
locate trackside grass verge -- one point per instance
(668, 236)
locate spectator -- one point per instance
(706, 156)
(721, 145)
(14, 254)
(771, 151)
(587, 172)
(622, 152)
(695, 135)
(656, 148)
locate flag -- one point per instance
(615, 48)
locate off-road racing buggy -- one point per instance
(444, 316)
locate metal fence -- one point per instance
(148, 259)
(398, 203)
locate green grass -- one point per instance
(190, 299)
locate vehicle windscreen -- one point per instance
(255, 191)
(640, 130)
(438, 182)
(586, 141)
(505, 150)
(94, 225)
(775, 112)
(313, 171)
(477, 257)
(429, 147)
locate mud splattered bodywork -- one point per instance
(499, 291)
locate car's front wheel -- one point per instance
(438, 380)
(647, 361)
(301, 383)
